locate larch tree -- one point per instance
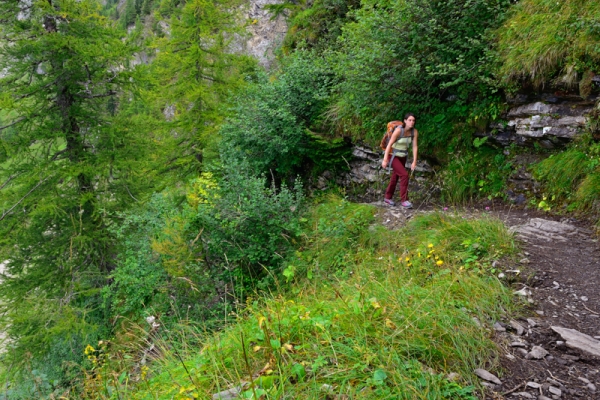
(199, 66)
(68, 162)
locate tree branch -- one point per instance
(12, 123)
(5, 214)
(10, 178)
(94, 96)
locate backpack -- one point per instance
(391, 127)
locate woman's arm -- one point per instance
(388, 149)
(415, 151)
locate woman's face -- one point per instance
(410, 122)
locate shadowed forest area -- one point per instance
(162, 230)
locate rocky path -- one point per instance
(553, 351)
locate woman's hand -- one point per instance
(413, 166)
(384, 163)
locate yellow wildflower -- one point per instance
(407, 259)
(88, 349)
(430, 245)
(439, 262)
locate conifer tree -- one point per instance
(68, 163)
(198, 69)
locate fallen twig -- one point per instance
(514, 389)
(593, 312)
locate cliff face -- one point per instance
(265, 31)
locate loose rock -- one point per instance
(518, 327)
(229, 394)
(591, 387)
(524, 395)
(499, 328)
(537, 352)
(523, 292)
(531, 322)
(518, 344)
(488, 376)
(534, 385)
(578, 340)
(555, 390)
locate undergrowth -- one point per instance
(476, 174)
(571, 178)
(359, 312)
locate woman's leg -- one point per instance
(389, 192)
(402, 173)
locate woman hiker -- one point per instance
(398, 145)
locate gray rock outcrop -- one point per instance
(548, 119)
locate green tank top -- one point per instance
(403, 143)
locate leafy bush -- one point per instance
(271, 117)
(426, 57)
(317, 26)
(243, 226)
(545, 39)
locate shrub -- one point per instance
(246, 227)
(271, 119)
(425, 57)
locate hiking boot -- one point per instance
(389, 201)
(406, 204)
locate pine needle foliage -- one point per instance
(67, 164)
(545, 40)
(196, 70)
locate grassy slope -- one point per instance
(367, 313)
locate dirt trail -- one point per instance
(560, 280)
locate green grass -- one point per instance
(474, 175)
(365, 313)
(543, 38)
(572, 177)
(588, 192)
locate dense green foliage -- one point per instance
(571, 177)
(318, 25)
(425, 57)
(150, 170)
(68, 167)
(275, 122)
(474, 175)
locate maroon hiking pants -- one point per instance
(398, 171)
